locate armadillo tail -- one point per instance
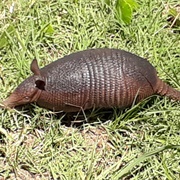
(164, 89)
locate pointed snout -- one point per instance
(10, 102)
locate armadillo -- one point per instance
(91, 78)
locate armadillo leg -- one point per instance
(164, 89)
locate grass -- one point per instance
(138, 143)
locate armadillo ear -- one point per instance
(35, 67)
(40, 84)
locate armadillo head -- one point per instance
(28, 91)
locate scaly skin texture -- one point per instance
(92, 79)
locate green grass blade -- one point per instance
(140, 159)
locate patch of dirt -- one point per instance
(94, 137)
(97, 135)
(22, 174)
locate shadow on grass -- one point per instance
(92, 116)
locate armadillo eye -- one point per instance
(26, 98)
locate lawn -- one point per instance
(142, 142)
